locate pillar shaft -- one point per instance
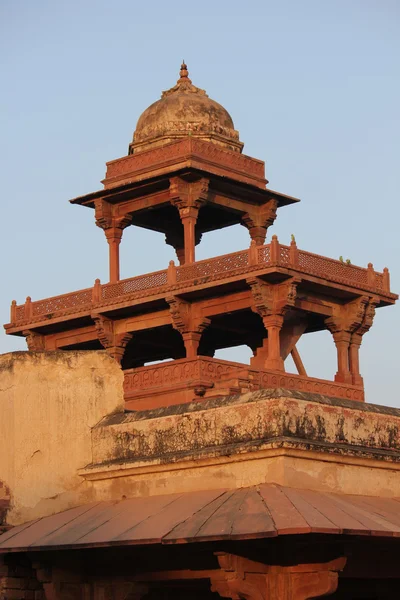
(354, 361)
(273, 325)
(342, 342)
(114, 235)
(191, 340)
(189, 225)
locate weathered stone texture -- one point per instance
(272, 436)
(48, 404)
(251, 419)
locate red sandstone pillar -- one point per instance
(273, 325)
(189, 218)
(113, 235)
(191, 341)
(342, 342)
(354, 351)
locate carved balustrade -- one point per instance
(245, 168)
(215, 269)
(185, 380)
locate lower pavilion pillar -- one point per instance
(274, 360)
(191, 339)
(270, 302)
(342, 342)
(354, 361)
(260, 354)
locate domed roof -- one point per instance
(184, 110)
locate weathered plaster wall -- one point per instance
(48, 404)
(292, 438)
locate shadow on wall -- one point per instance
(5, 500)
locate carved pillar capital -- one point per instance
(106, 218)
(348, 317)
(188, 197)
(271, 302)
(259, 219)
(272, 299)
(348, 324)
(114, 343)
(34, 340)
(190, 326)
(188, 194)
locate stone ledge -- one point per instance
(192, 407)
(248, 421)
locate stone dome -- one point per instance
(184, 110)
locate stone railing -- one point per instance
(188, 148)
(219, 268)
(204, 373)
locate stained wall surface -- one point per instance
(48, 404)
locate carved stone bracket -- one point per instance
(189, 326)
(259, 219)
(272, 299)
(271, 302)
(114, 343)
(35, 341)
(113, 227)
(245, 579)
(347, 325)
(105, 219)
(188, 197)
(188, 194)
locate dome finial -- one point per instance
(184, 73)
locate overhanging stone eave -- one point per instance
(125, 187)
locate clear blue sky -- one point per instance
(312, 86)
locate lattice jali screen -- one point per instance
(284, 255)
(329, 268)
(20, 313)
(379, 281)
(136, 284)
(51, 305)
(214, 266)
(264, 254)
